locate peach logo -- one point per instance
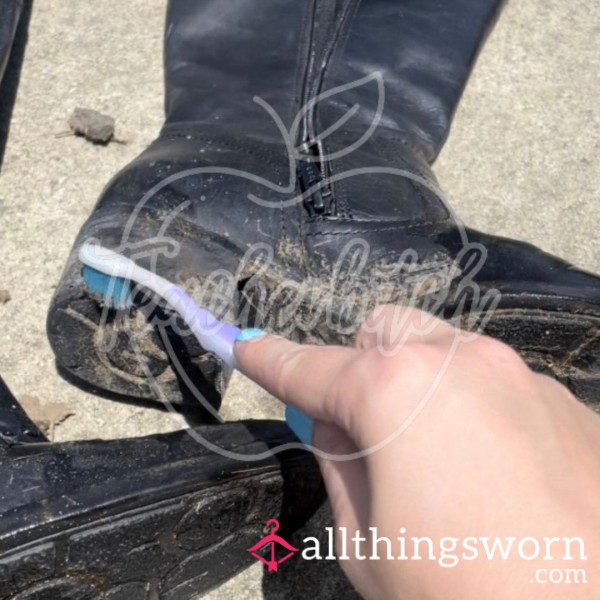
(273, 540)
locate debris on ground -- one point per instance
(46, 416)
(93, 126)
(4, 296)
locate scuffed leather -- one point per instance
(221, 56)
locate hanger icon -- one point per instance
(274, 540)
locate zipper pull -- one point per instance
(309, 175)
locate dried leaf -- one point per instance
(46, 416)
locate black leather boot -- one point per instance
(14, 21)
(159, 517)
(291, 188)
(10, 12)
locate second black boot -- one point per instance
(156, 517)
(291, 188)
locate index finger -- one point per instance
(297, 374)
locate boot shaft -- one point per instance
(220, 55)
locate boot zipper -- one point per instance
(315, 171)
(311, 174)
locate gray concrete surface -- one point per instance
(523, 160)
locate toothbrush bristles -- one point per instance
(115, 292)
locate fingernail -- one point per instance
(245, 335)
(299, 423)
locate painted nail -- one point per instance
(245, 335)
(299, 423)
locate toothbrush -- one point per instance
(111, 275)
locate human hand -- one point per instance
(455, 440)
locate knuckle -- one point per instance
(555, 389)
(499, 353)
(371, 375)
(386, 318)
(380, 312)
(363, 336)
(284, 365)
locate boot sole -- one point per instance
(158, 518)
(551, 340)
(563, 345)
